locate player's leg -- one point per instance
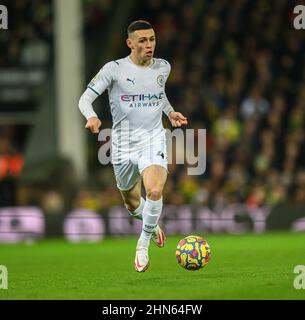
(129, 183)
(152, 166)
(134, 204)
(133, 201)
(154, 178)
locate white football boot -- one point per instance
(141, 262)
(158, 237)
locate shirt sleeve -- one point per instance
(104, 78)
(167, 107)
(85, 104)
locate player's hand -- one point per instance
(177, 119)
(93, 124)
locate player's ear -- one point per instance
(129, 43)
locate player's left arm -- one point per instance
(177, 119)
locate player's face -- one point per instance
(143, 43)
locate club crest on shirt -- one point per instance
(160, 80)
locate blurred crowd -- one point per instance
(238, 70)
(11, 165)
(28, 40)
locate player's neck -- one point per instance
(138, 62)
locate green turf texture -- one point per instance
(242, 267)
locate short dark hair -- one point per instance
(138, 25)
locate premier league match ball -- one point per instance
(193, 253)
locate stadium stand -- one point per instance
(235, 72)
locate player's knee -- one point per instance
(154, 194)
(132, 205)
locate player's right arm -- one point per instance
(96, 87)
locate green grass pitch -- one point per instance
(242, 267)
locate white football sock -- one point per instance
(137, 214)
(151, 214)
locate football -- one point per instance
(193, 253)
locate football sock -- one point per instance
(151, 214)
(137, 214)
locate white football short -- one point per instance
(128, 172)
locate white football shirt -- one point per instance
(137, 98)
